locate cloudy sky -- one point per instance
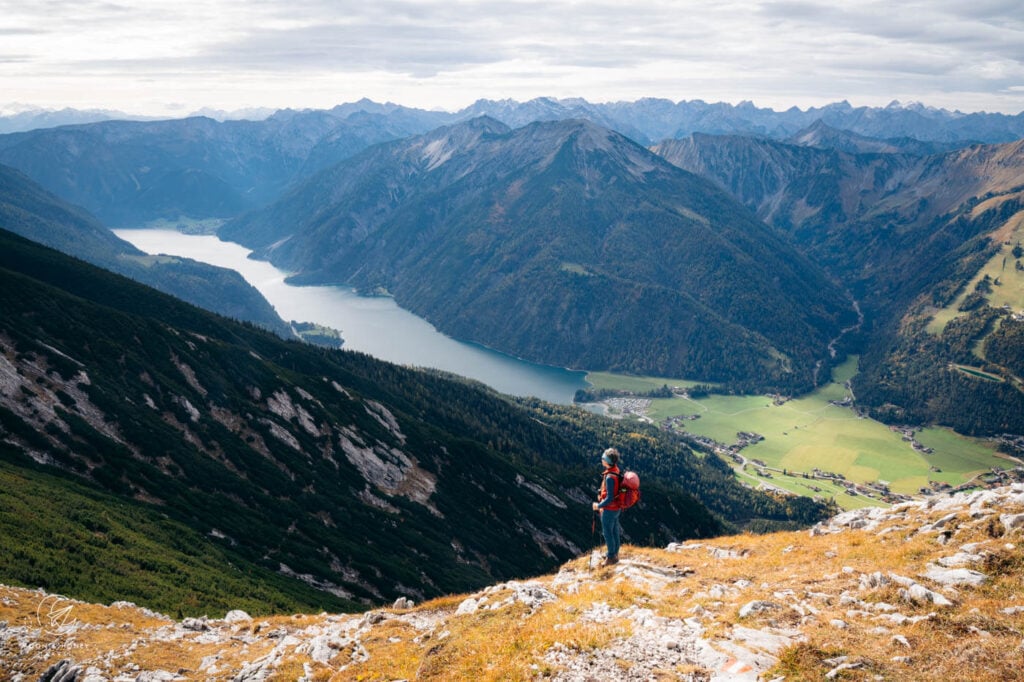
(169, 58)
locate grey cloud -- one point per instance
(698, 48)
(1001, 11)
(57, 12)
(14, 31)
(407, 38)
(794, 9)
(411, 49)
(924, 21)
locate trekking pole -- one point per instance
(593, 540)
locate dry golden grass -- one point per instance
(501, 644)
(974, 639)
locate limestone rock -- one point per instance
(874, 580)
(836, 671)
(467, 606)
(93, 674)
(955, 576)
(1012, 521)
(237, 616)
(959, 559)
(158, 676)
(61, 671)
(755, 607)
(919, 594)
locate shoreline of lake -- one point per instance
(375, 325)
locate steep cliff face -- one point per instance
(926, 590)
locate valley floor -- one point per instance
(922, 591)
(817, 445)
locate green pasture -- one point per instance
(637, 384)
(809, 433)
(1009, 291)
(809, 488)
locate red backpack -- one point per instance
(628, 490)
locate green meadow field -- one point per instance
(1002, 269)
(809, 432)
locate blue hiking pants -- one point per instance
(612, 531)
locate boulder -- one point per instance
(955, 576)
(1012, 521)
(195, 624)
(919, 594)
(959, 559)
(61, 671)
(755, 607)
(874, 580)
(468, 605)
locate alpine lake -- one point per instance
(374, 325)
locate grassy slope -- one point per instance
(71, 538)
(809, 432)
(1009, 292)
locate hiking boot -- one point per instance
(611, 561)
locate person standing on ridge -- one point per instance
(609, 506)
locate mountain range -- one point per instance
(19, 118)
(130, 172)
(649, 119)
(155, 451)
(878, 200)
(539, 241)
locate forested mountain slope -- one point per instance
(856, 213)
(361, 479)
(564, 243)
(907, 234)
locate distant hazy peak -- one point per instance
(438, 146)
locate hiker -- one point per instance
(609, 506)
